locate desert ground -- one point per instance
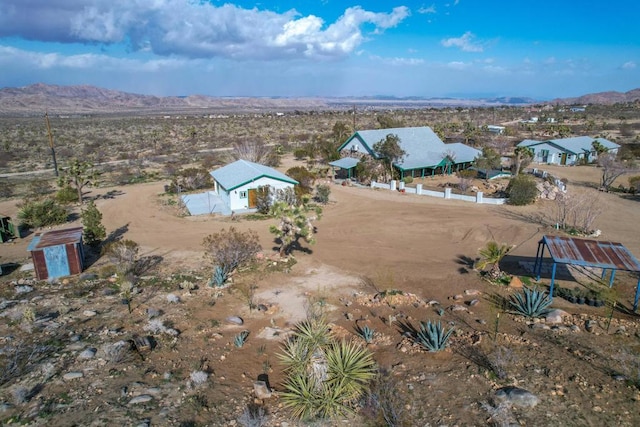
(367, 241)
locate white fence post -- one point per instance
(479, 197)
(392, 185)
(447, 193)
(419, 189)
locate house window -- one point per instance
(243, 194)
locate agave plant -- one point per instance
(530, 302)
(325, 377)
(366, 333)
(432, 336)
(219, 277)
(240, 339)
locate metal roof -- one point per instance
(575, 145)
(242, 172)
(590, 253)
(345, 163)
(422, 147)
(55, 238)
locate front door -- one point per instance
(253, 198)
(563, 159)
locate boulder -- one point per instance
(517, 397)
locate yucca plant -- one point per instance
(240, 339)
(491, 255)
(219, 277)
(432, 336)
(530, 302)
(324, 377)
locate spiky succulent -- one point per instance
(530, 302)
(432, 336)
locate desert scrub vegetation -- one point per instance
(522, 190)
(228, 250)
(325, 377)
(41, 213)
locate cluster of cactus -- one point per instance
(432, 336)
(366, 333)
(530, 302)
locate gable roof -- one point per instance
(242, 172)
(422, 147)
(575, 145)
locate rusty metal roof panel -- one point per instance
(590, 253)
(57, 237)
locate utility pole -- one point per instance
(53, 150)
(354, 118)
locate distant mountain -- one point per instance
(85, 100)
(610, 97)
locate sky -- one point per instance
(541, 49)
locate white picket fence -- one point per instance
(446, 194)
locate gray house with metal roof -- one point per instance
(238, 183)
(425, 153)
(567, 151)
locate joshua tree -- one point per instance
(389, 150)
(491, 255)
(78, 175)
(522, 156)
(295, 223)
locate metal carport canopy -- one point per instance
(587, 253)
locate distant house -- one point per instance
(238, 183)
(567, 151)
(425, 153)
(496, 129)
(57, 253)
(577, 109)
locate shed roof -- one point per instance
(345, 163)
(242, 172)
(590, 253)
(55, 238)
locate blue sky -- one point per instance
(459, 48)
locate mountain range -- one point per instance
(83, 99)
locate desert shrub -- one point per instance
(530, 302)
(67, 195)
(93, 231)
(322, 194)
(407, 179)
(522, 190)
(39, 187)
(190, 179)
(324, 376)
(229, 249)
(36, 213)
(304, 177)
(6, 190)
(634, 183)
(300, 153)
(464, 178)
(432, 336)
(123, 254)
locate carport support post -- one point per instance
(635, 302)
(537, 267)
(613, 275)
(553, 279)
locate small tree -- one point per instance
(229, 249)
(488, 160)
(295, 224)
(612, 168)
(522, 156)
(491, 255)
(93, 230)
(78, 175)
(522, 190)
(390, 151)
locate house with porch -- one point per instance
(425, 153)
(567, 151)
(237, 184)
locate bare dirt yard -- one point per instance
(584, 370)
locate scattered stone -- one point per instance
(172, 298)
(25, 289)
(589, 325)
(5, 406)
(145, 423)
(349, 316)
(72, 376)
(262, 307)
(481, 321)
(516, 282)
(556, 316)
(472, 292)
(473, 302)
(458, 297)
(261, 390)
(235, 320)
(143, 398)
(270, 333)
(575, 328)
(89, 313)
(517, 397)
(88, 276)
(75, 338)
(89, 353)
(458, 307)
(27, 267)
(153, 312)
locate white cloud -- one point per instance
(630, 65)
(427, 10)
(458, 65)
(397, 61)
(193, 29)
(464, 42)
